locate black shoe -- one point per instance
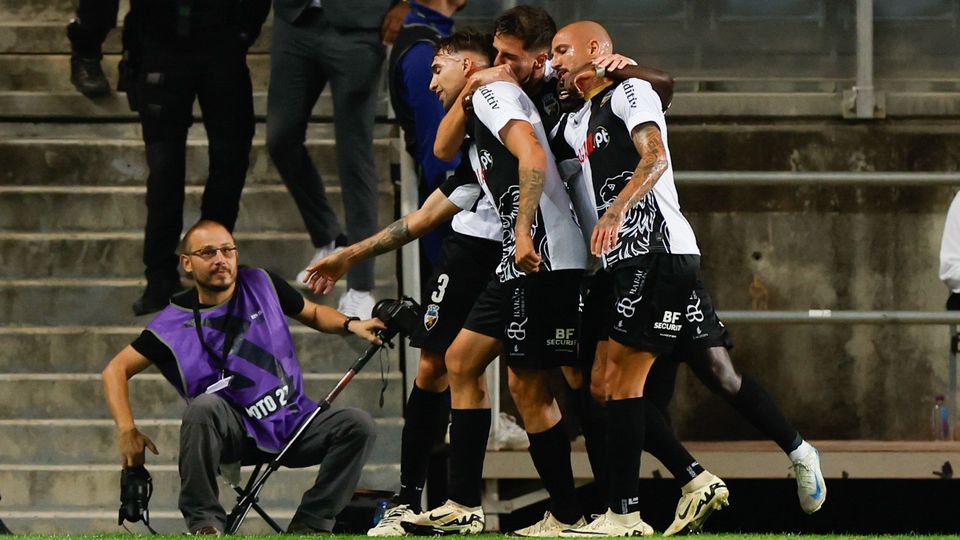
(87, 76)
(304, 530)
(155, 297)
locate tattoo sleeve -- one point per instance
(653, 163)
(394, 236)
(531, 187)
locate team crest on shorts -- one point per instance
(431, 316)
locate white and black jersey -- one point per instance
(478, 217)
(600, 134)
(555, 233)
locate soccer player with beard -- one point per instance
(535, 299)
(468, 258)
(652, 262)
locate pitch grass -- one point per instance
(502, 537)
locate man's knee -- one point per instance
(203, 409)
(282, 143)
(359, 425)
(716, 370)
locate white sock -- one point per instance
(802, 451)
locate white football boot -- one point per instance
(811, 489)
(450, 518)
(548, 527)
(700, 497)
(612, 524)
(390, 524)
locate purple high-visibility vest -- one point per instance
(267, 384)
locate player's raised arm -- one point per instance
(521, 140)
(653, 162)
(437, 209)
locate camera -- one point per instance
(136, 487)
(400, 316)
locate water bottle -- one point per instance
(379, 512)
(940, 420)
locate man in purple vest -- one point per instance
(227, 349)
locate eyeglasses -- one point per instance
(208, 252)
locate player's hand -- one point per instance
(526, 256)
(484, 77)
(613, 62)
(607, 232)
(392, 22)
(132, 448)
(367, 329)
(324, 274)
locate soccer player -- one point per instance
(652, 262)
(467, 261)
(536, 295)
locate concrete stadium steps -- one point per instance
(99, 255)
(66, 302)
(87, 349)
(131, 131)
(80, 395)
(43, 10)
(66, 105)
(51, 73)
(69, 209)
(50, 37)
(87, 441)
(100, 162)
(97, 487)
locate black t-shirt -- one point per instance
(150, 346)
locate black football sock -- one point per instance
(550, 451)
(662, 443)
(424, 426)
(625, 434)
(469, 429)
(756, 405)
(594, 427)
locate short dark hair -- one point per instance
(202, 224)
(467, 40)
(530, 24)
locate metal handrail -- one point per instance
(827, 316)
(775, 178)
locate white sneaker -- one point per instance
(548, 527)
(612, 524)
(701, 496)
(356, 303)
(811, 489)
(390, 524)
(320, 253)
(508, 435)
(451, 518)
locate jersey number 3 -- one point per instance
(442, 281)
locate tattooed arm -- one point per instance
(653, 162)
(520, 138)
(437, 209)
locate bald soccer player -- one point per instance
(657, 304)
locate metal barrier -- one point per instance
(789, 178)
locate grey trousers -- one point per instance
(212, 433)
(304, 57)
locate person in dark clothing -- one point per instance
(316, 42)
(227, 349)
(418, 110)
(87, 31)
(195, 53)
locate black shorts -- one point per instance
(703, 328)
(650, 296)
(486, 315)
(465, 266)
(541, 314)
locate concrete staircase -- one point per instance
(72, 176)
